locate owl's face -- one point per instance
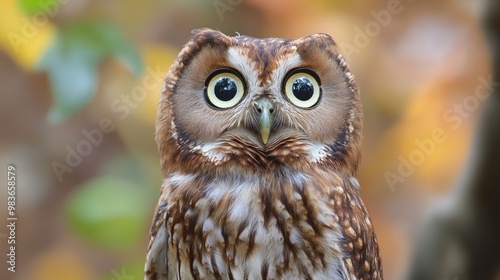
(260, 102)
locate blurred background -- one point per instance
(80, 81)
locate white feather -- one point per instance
(317, 152)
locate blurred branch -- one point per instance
(461, 238)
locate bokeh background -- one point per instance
(79, 86)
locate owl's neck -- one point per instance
(220, 182)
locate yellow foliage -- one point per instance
(157, 60)
(25, 38)
(433, 160)
(60, 264)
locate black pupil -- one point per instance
(225, 89)
(303, 89)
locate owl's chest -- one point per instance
(252, 227)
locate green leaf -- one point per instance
(48, 7)
(73, 59)
(108, 212)
(132, 270)
(119, 47)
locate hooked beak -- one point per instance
(265, 109)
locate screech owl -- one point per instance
(259, 142)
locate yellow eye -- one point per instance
(302, 88)
(224, 89)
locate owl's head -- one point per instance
(259, 104)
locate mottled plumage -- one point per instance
(259, 141)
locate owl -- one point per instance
(259, 144)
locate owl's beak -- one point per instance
(265, 109)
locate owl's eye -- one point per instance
(302, 88)
(224, 88)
